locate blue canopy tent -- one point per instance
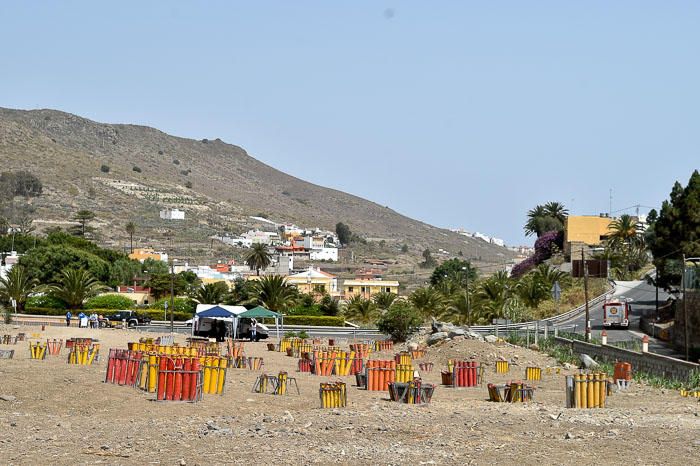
(217, 313)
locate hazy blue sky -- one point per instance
(457, 113)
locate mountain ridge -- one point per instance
(69, 153)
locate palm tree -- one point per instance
(360, 310)
(459, 309)
(625, 230)
(428, 301)
(557, 210)
(532, 290)
(451, 285)
(548, 275)
(533, 220)
(275, 294)
(75, 286)
(493, 295)
(626, 245)
(544, 218)
(384, 300)
(130, 230)
(17, 286)
(258, 258)
(211, 293)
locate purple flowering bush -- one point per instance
(545, 246)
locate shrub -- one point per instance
(400, 321)
(188, 185)
(47, 311)
(104, 168)
(6, 314)
(314, 310)
(109, 301)
(160, 152)
(136, 169)
(45, 301)
(330, 321)
(185, 305)
(176, 162)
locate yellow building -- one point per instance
(368, 288)
(141, 254)
(314, 281)
(590, 230)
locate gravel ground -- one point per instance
(56, 413)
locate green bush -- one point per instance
(314, 310)
(47, 311)
(185, 305)
(400, 321)
(44, 311)
(330, 321)
(45, 301)
(109, 301)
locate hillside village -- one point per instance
(288, 244)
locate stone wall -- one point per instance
(693, 304)
(651, 363)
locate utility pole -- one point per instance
(466, 297)
(469, 304)
(585, 292)
(685, 314)
(172, 295)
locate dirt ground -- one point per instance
(64, 414)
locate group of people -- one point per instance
(85, 321)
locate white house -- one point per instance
(328, 254)
(10, 261)
(172, 214)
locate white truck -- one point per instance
(616, 311)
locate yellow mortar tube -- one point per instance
(214, 378)
(222, 376)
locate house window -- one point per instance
(388, 290)
(362, 290)
(350, 289)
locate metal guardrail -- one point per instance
(310, 329)
(550, 321)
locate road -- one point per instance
(319, 332)
(643, 302)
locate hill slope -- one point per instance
(149, 170)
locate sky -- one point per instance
(457, 113)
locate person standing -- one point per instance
(253, 329)
(68, 317)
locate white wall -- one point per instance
(329, 254)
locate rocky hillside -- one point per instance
(127, 172)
